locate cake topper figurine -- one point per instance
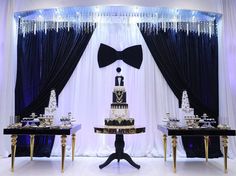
(119, 79)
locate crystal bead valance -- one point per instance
(152, 19)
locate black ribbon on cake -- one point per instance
(132, 56)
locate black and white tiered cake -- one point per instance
(119, 113)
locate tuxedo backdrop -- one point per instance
(88, 92)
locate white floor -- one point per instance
(88, 166)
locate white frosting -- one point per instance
(116, 113)
(119, 88)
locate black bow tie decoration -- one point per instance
(132, 56)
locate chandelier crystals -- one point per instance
(85, 18)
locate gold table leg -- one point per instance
(174, 145)
(73, 147)
(63, 151)
(164, 142)
(13, 150)
(31, 146)
(206, 141)
(225, 145)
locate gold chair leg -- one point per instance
(31, 146)
(206, 142)
(63, 151)
(13, 151)
(225, 145)
(174, 145)
(73, 147)
(164, 142)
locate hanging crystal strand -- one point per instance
(162, 23)
(78, 22)
(207, 27)
(211, 29)
(151, 23)
(187, 28)
(23, 31)
(179, 24)
(155, 28)
(148, 25)
(57, 26)
(82, 26)
(39, 25)
(23, 27)
(48, 25)
(87, 26)
(63, 26)
(68, 25)
(164, 26)
(156, 23)
(19, 25)
(140, 21)
(45, 27)
(90, 22)
(84, 23)
(52, 26)
(142, 25)
(198, 29)
(203, 26)
(31, 29)
(35, 28)
(26, 27)
(176, 27)
(145, 27)
(190, 28)
(78, 25)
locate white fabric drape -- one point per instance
(88, 95)
(7, 69)
(227, 71)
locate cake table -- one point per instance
(119, 143)
(32, 131)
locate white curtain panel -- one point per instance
(88, 95)
(7, 70)
(227, 70)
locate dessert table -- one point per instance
(206, 132)
(119, 143)
(32, 131)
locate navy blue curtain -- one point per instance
(45, 62)
(189, 62)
